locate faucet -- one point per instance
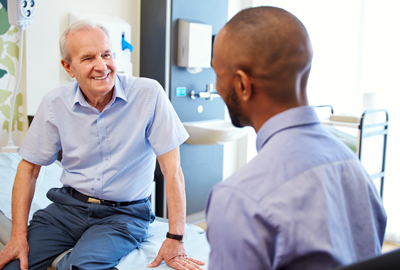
(209, 94)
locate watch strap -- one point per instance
(176, 236)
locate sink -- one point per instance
(214, 131)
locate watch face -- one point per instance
(184, 238)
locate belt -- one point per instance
(87, 199)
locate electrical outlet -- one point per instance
(21, 12)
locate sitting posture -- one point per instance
(111, 129)
(305, 201)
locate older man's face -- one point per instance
(92, 62)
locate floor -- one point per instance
(386, 247)
(389, 246)
(202, 225)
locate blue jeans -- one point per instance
(100, 235)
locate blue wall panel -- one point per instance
(202, 165)
(214, 13)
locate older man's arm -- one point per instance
(23, 190)
(173, 251)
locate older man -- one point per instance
(110, 128)
(305, 201)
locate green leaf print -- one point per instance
(2, 73)
(9, 64)
(5, 125)
(4, 24)
(12, 31)
(20, 125)
(12, 49)
(5, 109)
(4, 94)
(17, 115)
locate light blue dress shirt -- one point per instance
(110, 154)
(304, 202)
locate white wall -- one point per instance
(237, 5)
(43, 68)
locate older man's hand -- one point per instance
(174, 255)
(15, 249)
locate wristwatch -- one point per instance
(178, 237)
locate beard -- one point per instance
(235, 111)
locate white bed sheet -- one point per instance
(196, 246)
(49, 177)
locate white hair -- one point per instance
(73, 28)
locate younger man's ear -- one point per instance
(242, 85)
(67, 67)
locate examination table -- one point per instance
(196, 245)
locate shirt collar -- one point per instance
(298, 116)
(119, 92)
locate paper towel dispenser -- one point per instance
(120, 36)
(194, 45)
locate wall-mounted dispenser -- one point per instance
(194, 45)
(120, 36)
